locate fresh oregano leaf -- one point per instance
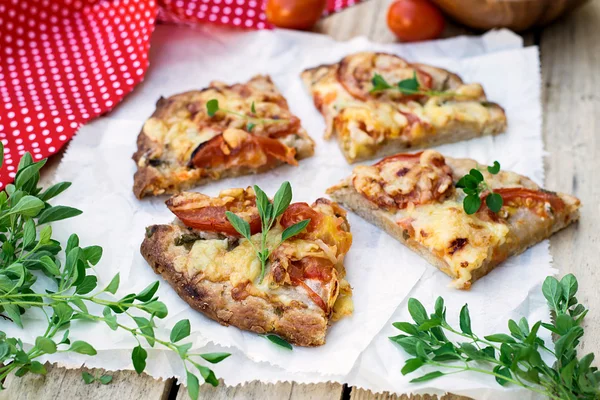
(87, 377)
(417, 311)
(81, 347)
(295, 229)
(138, 357)
(45, 344)
(379, 83)
(193, 386)
(428, 377)
(113, 286)
(279, 341)
(465, 320)
(208, 375)
(494, 169)
(212, 106)
(215, 358)
(58, 213)
(239, 224)
(471, 204)
(282, 199)
(148, 292)
(180, 331)
(494, 202)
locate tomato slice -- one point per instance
(299, 212)
(414, 157)
(311, 293)
(523, 197)
(250, 150)
(213, 219)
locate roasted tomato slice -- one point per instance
(299, 212)
(357, 71)
(208, 214)
(238, 148)
(532, 199)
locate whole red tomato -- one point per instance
(414, 20)
(294, 14)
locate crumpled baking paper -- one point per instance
(382, 272)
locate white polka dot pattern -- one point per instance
(62, 63)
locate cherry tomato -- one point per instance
(414, 20)
(294, 14)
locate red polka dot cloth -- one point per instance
(65, 62)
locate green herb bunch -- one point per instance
(512, 359)
(29, 254)
(268, 212)
(212, 107)
(408, 87)
(473, 184)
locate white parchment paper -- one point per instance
(382, 272)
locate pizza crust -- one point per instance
(296, 323)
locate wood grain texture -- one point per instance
(264, 391)
(67, 384)
(361, 394)
(570, 53)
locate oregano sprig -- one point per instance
(29, 254)
(512, 359)
(268, 212)
(212, 107)
(473, 184)
(409, 86)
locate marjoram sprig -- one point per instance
(409, 86)
(474, 184)
(512, 359)
(29, 254)
(212, 107)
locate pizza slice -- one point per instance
(378, 104)
(182, 145)
(414, 198)
(217, 272)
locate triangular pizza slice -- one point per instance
(217, 272)
(182, 145)
(414, 198)
(378, 104)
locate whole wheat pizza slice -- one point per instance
(378, 104)
(182, 145)
(217, 272)
(414, 198)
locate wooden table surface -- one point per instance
(570, 52)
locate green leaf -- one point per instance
(81, 347)
(471, 351)
(252, 108)
(1, 154)
(295, 229)
(157, 308)
(568, 341)
(208, 375)
(105, 379)
(54, 190)
(475, 173)
(411, 365)
(379, 83)
(552, 291)
(279, 341)
(586, 361)
(13, 313)
(26, 174)
(88, 284)
(25, 161)
(28, 206)
(564, 323)
(465, 320)
(239, 224)
(114, 284)
(146, 328)
(282, 199)
(494, 202)
(79, 303)
(37, 367)
(494, 169)
(87, 377)
(109, 318)
(250, 126)
(505, 372)
(408, 343)
(262, 204)
(46, 234)
(193, 386)
(214, 358)
(148, 292)
(183, 349)
(139, 356)
(569, 285)
(439, 308)
(58, 213)
(93, 254)
(28, 233)
(406, 327)
(46, 345)
(514, 329)
(471, 204)
(417, 311)
(567, 372)
(212, 106)
(500, 338)
(409, 86)
(72, 242)
(180, 331)
(428, 377)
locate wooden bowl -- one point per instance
(517, 15)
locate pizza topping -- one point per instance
(205, 213)
(235, 147)
(356, 72)
(542, 203)
(398, 181)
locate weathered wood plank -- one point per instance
(570, 53)
(61, 383)
(361, 394)
(264, 391)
